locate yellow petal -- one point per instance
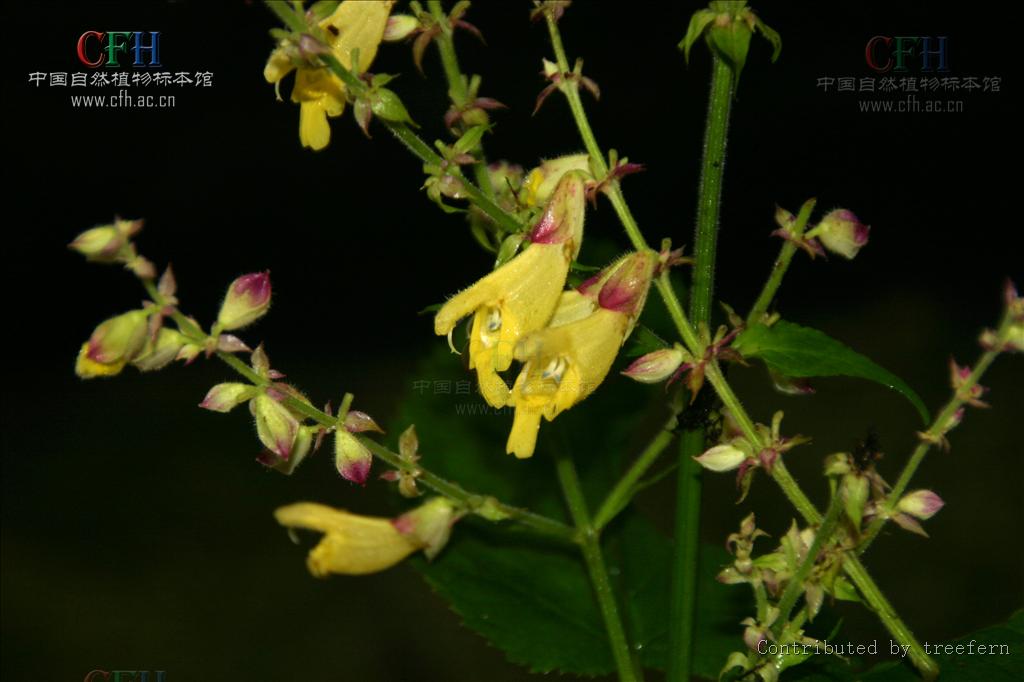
(87, 368)
(526, 289)
(352, 544)
(314, 130)
(278, 66)
(357, 24)
(523, 438)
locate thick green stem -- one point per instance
(682, 602)
(709, 196)
(624, 490)
(789, 247)
(685, 555)
(590, 543)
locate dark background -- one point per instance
(136, 529)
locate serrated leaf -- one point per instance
(801, 352)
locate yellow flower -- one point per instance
(566, 362)
(354, 25)
(87, 368)
(357, 545)
(541, 181)
(521, 295)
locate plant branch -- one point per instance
(936, 432)
(473, 502)
(624, 490)
(789, 248)
(458, 90)
(590, 544)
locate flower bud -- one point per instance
(625, 289)
(429, 525)
(226, 397)
(105, 243)
(838, 464)
(352, 459)
(357, 422)
(656, 366)
(247, 300)
(400, 27)
(753, 635)
(112, 345)
(562, 221)
(841, 232)
(721, 458)
(922, 504)
(855, 489)
(275, 425)
(541, 181)
(160, 353)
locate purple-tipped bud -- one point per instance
(352, 459)
(400, 27)
(226, 397)
(753, 636)
(562, 220)
(842, 232)
(722, 458)
(247, 300)
(430, 524)
(625, 288)
(922, 504)
(114, 343)
(276, 427)
(656, 366)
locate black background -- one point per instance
(137, 530)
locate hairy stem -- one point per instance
(789, 247)
(688, 482)
(935, 433)
(822, 536)
(457, 87)
(624, 490)
(590, 543)
(472, 501)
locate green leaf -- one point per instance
(530, 598)
(800, 352)
(1006, 665)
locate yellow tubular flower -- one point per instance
(566, 362)
(521, 295)
(354, 25)
(352, 544)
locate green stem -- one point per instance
(402, 132)
(457, 87)
(789, 247)
(709, 196)
(624, 490)
(590, 544)
(473, 502)
(822, 537)
(851, 565)
(935, 433)
(685, 556)
(682, 602)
